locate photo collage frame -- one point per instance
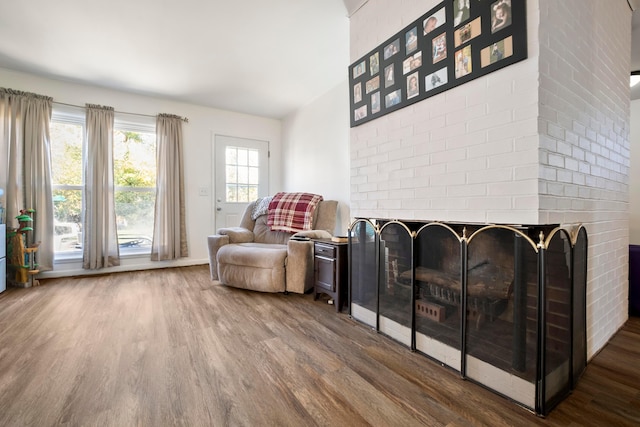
(453, 43)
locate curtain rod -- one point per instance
(120, 112)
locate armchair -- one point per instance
(252, 256)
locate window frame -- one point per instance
(72, 116)
(67, 114)
(142, 124)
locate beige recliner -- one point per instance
(252, 256)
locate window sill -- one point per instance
(72, 256)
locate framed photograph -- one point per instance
(436, 79)
(439, 45)
(461, 11)
(434, 21)
(411, 40)
(373, 84)
(391, 49)
(375, 103)
(463, 62)
(413, 85)
(450, 44)
(496, 52)
(500, 15)
(359, 69)
(467, 32)
(374, 64)
(412, 62)
(389, 75)
(357, 93)
(393, 98)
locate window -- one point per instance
(67, 136)
(134, 164)
(242, 174)
(135, 180)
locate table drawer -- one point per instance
(325, 250)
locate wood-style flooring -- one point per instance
(171, 347)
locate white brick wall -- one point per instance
(545, 140)
(469, 154)
(584, 143)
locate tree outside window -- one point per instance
(135, 180)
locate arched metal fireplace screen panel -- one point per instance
(438, 293)
(506, 306)
(395, 287)
(363, 276)
(579, 310)
(500, 344)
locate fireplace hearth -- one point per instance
(503, 305)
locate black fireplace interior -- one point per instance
(511, 297)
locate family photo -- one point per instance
(411, 40)
(394, 75)
(439, 47)
(434, 21)
(412, 62)
(436, 79)
(500, 15)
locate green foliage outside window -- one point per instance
(134, 176)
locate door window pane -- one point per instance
(243, 158)
(254, 176)
(254, 158)
(242, 174)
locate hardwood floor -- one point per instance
(170, 347)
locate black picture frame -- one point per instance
(439, 55)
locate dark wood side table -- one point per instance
(330, 266)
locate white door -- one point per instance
(241, 176)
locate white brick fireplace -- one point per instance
(543, 141)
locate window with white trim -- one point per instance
(134, 175)
(242, 174)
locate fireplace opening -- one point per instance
(503, 305)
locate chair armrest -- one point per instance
(314, 234)
(237, 234)
(299, 266)
(215, 242)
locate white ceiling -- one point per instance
(254, 56)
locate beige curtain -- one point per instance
(169, 230)
(100, 238)
(25, 162)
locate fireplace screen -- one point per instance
(363, 265)
(395, 294)
(438, 294)
(503, 305)
(501, 326)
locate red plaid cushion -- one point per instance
(292, 212)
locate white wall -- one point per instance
(634, 175)
(542, 141)
(584, 144)
(203, 124)
(316, 150)
(469, 154)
